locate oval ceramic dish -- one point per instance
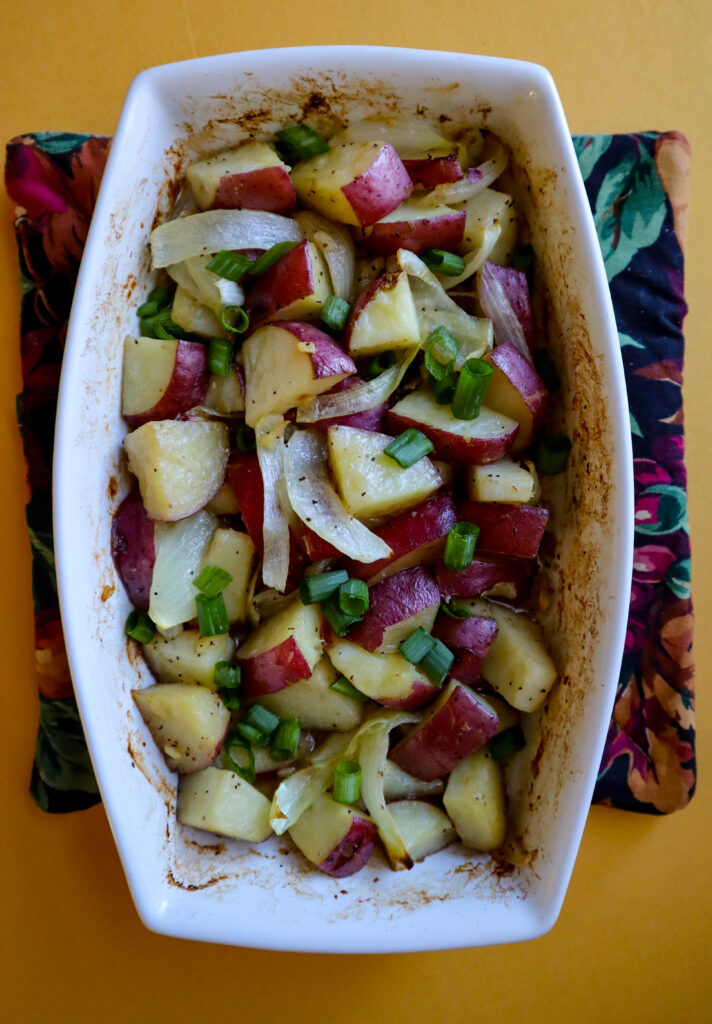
(200, 886)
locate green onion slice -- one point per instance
(252, 734)
(454, 611)
(241, 319)
(507, 742)
(409, 447)
(340, 621)
(161, 326)
(347, 782)
(219, 356)
(156, 300)
(441, 351)
(344, 686)
(227, 675)
(265, 261)
(444, 390)
(471, 387)
(299, 142)
(442, 262)
(436, 663)
(551, 454)
(544, 366)
(335, 313)
(315, 589)
(139, 626)
(353, 598)
(460, 545)
(262, 719)
(285, 740)
(380, 363)
(212, 580)
(416, 646)
(230, 265)
(212, 615)
(235, 742)
(245, 438)
(230, 699)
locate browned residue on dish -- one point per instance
(107, 591)
(192, 886)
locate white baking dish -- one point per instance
(197, 886)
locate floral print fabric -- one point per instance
(637, 188)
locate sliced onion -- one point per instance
(475, 259)
(336, 246)
(476, 179)
(269, 437)
(180, 548)
(496, 305)
(317, 504)
(358, 398)
(204, 286)
(206, 233)
(411, 137)
(434, 305)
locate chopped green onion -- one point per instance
(551, 454)
(454, 611)
(160, 326)
(346, 687)
(299, 142)
(262, 719)
(544, 366)
(230, 265)
(219, 356)
(339, 620)
(471, 386)
(156, 300)
(525, 260)
(436, 663)
(442, 262)
(140, 627)
(212, 580)
(416, 646)
(242, 319)
(444, 390)
(380, 363)
(347, 782)
(227, 675)
(265, 261)
(440, 353)
(245, 438)
(230, 699)
(460, 546)
(353, 597)
(252, 734)
(507, 742)
(245, 771)
(284, 742)
(315, 589)
(212, 615)
(335, 313)
(409, 447)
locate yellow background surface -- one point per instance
(632, 943)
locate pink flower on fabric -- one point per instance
(33, 181)
(651, 562)
(647, 472)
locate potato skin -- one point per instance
(353, 851)
(133, 549)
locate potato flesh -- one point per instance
(195, 318)
(319, 181)
(322, 827)
(501, 481)
(188, 657)
(180, 464)
(187, 722)
(146, 373)
(399, 785)
(424, 828)
(235, 553)
(314, 704)
(220, 801)
(225, 394)
(204, 175)
(421, 407)
(476, 802)
(387, 321)
(297, 620)
(372, 484)
(379, 676)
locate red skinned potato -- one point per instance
(516, 390)
(434, 170)
(398, 606)
(335, 837)
(353, 183)
(251, 177)
(513, 530)
(457, 724)
(469, 639)
(161, 379)
(188, 723)
(288, 362)
(414, 227)
(133, 549)
(389, 679)
(383, 318)
(281, 650)
(294, 288)
(496, 575)
(481, 440)
(415, 537)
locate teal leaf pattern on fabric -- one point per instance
(626, 340)
(634, 428)
(630, 211)
(678, 578)
(61, 754)
(670, 510)
(59, 142)
(589, 150)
